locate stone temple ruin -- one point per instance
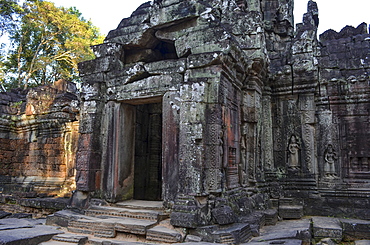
(221, 111)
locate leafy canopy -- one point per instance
(48, 44)
(9, 9)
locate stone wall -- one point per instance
(38, 139)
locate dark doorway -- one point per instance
(148, 152)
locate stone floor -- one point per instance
(142, 222)
(308, 230)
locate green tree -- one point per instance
(9, 10)
(48, 45)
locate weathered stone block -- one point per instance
(204, 59)
(290, 212)
(166, 67)
(192, 93)
(224, 215)
(140, 35)
(233, 234)
(271, 216)
(181, 219)
(163, 234)
(91, 90)
(171, 13)
(148, 87)
(108, 49)
(354, 229)
(325, 227)
(103, 64)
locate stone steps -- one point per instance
(70, 238)
(136, 218)
(67, 239)
(139, 204)
(163, 234)
(146, 214)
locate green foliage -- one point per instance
(9, 10)
(48, 45)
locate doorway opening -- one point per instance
(148, 152)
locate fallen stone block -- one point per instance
(28, 236)
(326, 227)
(362, 242)
(271, 216)
(233, 234)
(224, 215)
(72, 238)
(4, 214)
(277, 242)
(326, 241)
(134, 226)
(104, 228)
(192, 238)
(189, 220)
(21, 216)
(163, 234)
(355, 229)
(61, 218)
(287, 230)
(291, 212)
(255, 220)
(12, 223)
(81, 226)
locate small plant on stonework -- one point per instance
(16, 104)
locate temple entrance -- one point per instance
(148, 152)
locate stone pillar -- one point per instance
(191, 137)
(118, 168)
(250, 118)
(267, 141)
(170, 146)
(307, 108)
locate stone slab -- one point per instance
(291, 211)
(99, 241)
(61, 218)
(21, 216)
(362, 242)
(141, 204)
(51, 242)
(326, 227)
(355, 229)
(4, 214)
(163, 234)
(233, 234)
(286, 230)
(103, 211)
(12, 223)
(194, 243)
(70, 238)
(192, 238)
(134, 226)
(282, 242)
(28, 236)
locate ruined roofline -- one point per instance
(347, 31)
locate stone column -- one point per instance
(170, 146)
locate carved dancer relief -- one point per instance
(330, 156)
(293, 153)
